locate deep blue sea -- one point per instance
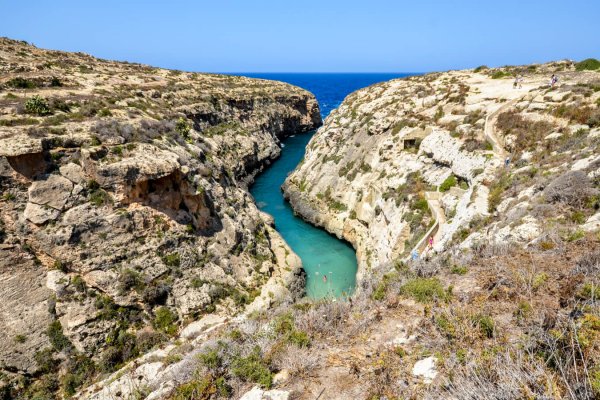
(322, 254)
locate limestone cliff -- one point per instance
(409, 159)
(498, 309)
(124, 210)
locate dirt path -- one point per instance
(489, 130)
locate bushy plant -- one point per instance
(500, 74)
(253, 368)
(164, 321)
(21, 83)
(448, 183)
(56, 336)
(182, 127)
(589, 64)
(425, 290)
(37, 105)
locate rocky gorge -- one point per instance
(125, 210)
(135, 265)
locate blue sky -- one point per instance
(311, 35)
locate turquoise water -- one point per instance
(322, 254)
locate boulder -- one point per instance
(72, 172)
(425, 369)
(553, 135)
(20, 145)
(54, 191)
(40, 214)
(258, 394)
(592, 224)
(578, 127)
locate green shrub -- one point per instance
(480, 68)
(496, 190)
(459, 269)
(61, 266)
(381, 289)
(104, 112)
(379, 292)
(122, 347)
(500, 74)
(419, 203)
(130, 279)
(298, 338)
(448, 183)
(252, 369)
(338, 206)
(203, 388)
(446, 326)
(57, 338)
(575, 235)
(78, 283)
(147, 340)
(164, 321)
(45, 360)
(182, 127)
(211, 358)
(578, 217)
(590, 291)
(589, 64)
(19, 121)
(283, 324)
(523, 311)
(81, 369)
(37, 105)
(20, 338)
(171, 260)
(99, 197)
(486, 325)
(425, 290)
(21, 83)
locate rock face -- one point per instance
(124, 202)
(409, 159)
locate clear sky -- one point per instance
(311, 35)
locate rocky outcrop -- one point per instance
(125, 213)
(368, 172)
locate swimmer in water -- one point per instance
(324, 278)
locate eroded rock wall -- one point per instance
(124, 201)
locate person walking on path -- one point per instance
(431, 242)
(553, 80)
(414, 255)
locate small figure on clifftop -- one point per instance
(414, 255)
(553, 80)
